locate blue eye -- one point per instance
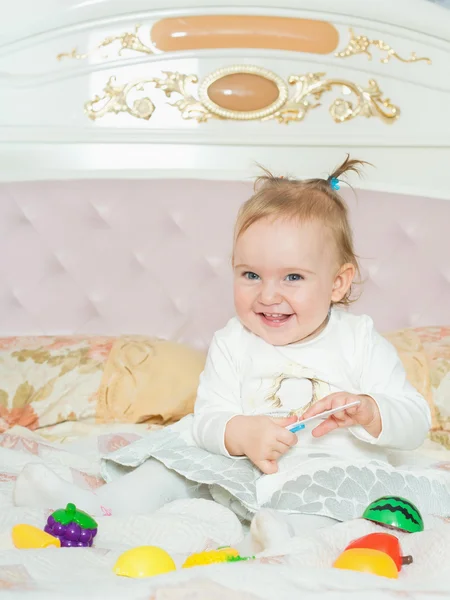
(294, 277)
(251, 276)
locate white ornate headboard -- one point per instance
(185, 98)
(369, 77)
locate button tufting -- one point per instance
(138, 261)
(54, 265)
(216, 263)
(409, 229)
(13, 301)
(177, 218)
(154, 257)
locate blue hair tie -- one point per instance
(334, 182)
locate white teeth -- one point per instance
(276, 316)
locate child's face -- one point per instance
(286, 274)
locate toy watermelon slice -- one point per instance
(73, 527)
(395, 512)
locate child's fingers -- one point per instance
(282, 448)
(325, 427)
(336, 421)
(272, 455)
(284, 421)
(275, 450)
(334, 400)
(279, 447)
(287, 437)
(267, 466)
(317, 408)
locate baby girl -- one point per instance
(291, 352)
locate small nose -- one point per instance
(269, 294)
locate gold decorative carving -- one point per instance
(128, 41)
(360, 44)
(310, 88)
(307, 93)
(116, 100)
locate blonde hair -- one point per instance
(305, 200)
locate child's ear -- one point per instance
(342, 282)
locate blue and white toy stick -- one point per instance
(320, 417)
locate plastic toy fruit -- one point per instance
(228, 551)
(395, 512)
(27, 536)
(384, 542)
(72, 527)
(367, 560)
(210, 557)
(144, 561)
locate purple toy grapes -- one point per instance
(73, 532)
(85, 535)
(74, 528)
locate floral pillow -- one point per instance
(48, 380)
(436, 343)
(45, 381)
(425, 353)
(415, 361)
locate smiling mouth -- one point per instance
(274, 319)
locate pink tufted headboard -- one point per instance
(135, 256)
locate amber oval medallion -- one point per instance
(243, 92)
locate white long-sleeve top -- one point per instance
(244, 375)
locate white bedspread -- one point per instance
(301, 568)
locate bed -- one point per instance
(128, 141)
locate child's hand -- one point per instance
(263, 439)
(365, 414)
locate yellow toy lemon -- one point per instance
(367, 560)
(27, 536)
(210, 557)
(144, 561)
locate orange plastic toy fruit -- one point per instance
(26, 536)
(384, 542)
(367, 560)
